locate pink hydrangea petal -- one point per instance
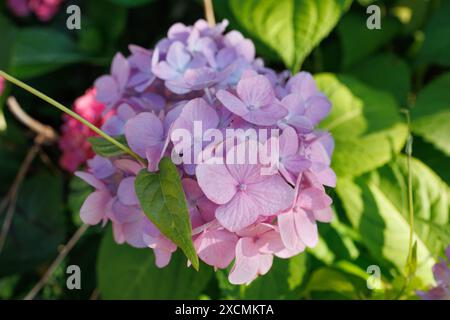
(118, 235)
(126, 192)
(288, 141)
(296, 163)
(154, 154)
(144, 131)
(288, 231)
(216, 247)
(266, 116)
(133, 232)
(265, 263)
(164, 71)
(271, 196)
(129, 166)
(232, 103)
(192, 189)
(107, 89)
(303, 84)
(216, 182)
(246, 266)
(239, 212)
(306, 228)
(255, 91)
(177, 56)
(313, 199)
(318, 108)
(121, 213)
(324, 215)
(120, 70)
(294, 103)
(93, 209)
(270, 242)
(162, 257)
(91, 180)
(196, 110)
(325, 175)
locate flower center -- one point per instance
(242, 187)
(251, 107)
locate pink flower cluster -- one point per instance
(441, 272)
(202, 74)
(74, 145)
(43, 9)
(2, 85)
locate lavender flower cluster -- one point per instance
(200, 74)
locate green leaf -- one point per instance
(111, 31)
(162, 199)
(364, 122)
(432, 157)
(282, 281)
(124, 272)
(436, 47)
(385, 72)
(431, 114)
(412, 14)
(131, 3)
(376, 205)
(290, 28)
(331, 280)
(104, 148)
(357, 41)
(42, 50)
(38, 226)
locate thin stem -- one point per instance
(12, 194)
(410, 191)
(209, 13)
(63, 253)
(42, 130)
(70, 113)
(408, 151)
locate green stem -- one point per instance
(408, 151)
(410, 192)
(70, 113)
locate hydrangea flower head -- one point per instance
(43, 9)
(75, 148)
(204, 83)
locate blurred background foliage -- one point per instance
(373, 77)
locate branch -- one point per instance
(46, 132)
(11, 198)
(62, 254)
(209, 13)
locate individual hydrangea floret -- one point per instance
(441, 272)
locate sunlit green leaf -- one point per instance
(376, 205)
(162, 199)
(364, 122)
(431, 113)
(291, 28)
(128, 273)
